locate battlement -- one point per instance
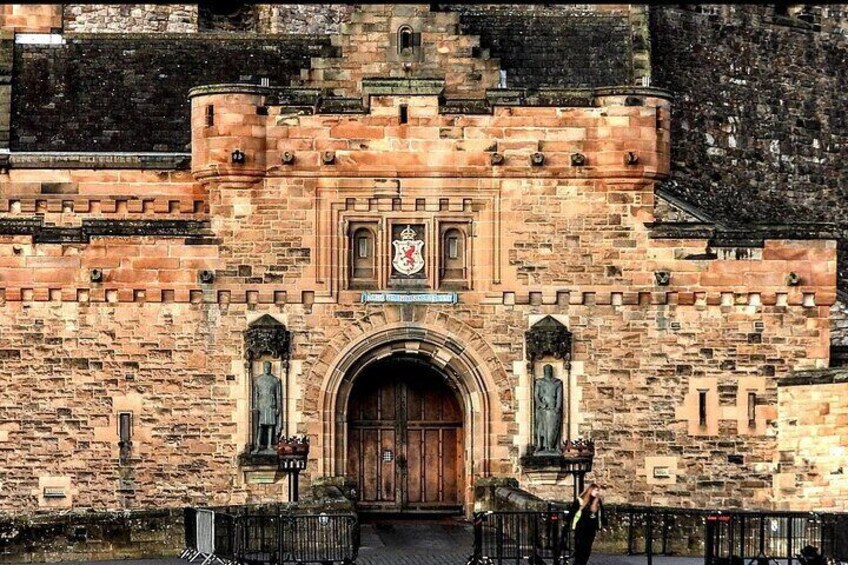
(406, 129)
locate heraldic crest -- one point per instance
(408, 258)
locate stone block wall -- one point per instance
(548, 236)
(127, 93)
(555, 47)
(759, 124)
(813, 442)
(34, 18)
(130, 18)
(79, 536)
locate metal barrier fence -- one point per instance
(765, 537)
(271, 536)
(653, 530)
(729, 538)
(517, 537)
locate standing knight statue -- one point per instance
(267, 410)
(547, 395)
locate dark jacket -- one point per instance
(577, 515)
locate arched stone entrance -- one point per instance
(459, 368)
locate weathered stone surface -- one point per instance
(133, 18)
(127, 93)
(579, 243)
(759, 122)
(553, 46)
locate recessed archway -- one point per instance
(463, 369)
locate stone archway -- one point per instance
(464, 368)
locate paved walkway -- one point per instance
(405, 542)
(426, 542)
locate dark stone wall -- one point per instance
(550, 47)
(128, 93)
(125, 92)
(760, 118)
(80, 536)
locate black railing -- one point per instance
(653, 530)
(518, 537)
(724, 538)
(766, 537)
(276, 536)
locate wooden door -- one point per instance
(405, 441)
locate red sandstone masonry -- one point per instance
(547, 240)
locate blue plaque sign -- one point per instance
(410, 297)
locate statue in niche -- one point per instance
(547, 395)
(267, 410)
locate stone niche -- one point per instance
(548, 344)
(267, 352)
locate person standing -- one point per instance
(587, 517)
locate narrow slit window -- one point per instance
(124, 437)
(702, 407)
(407, 40)
(752, 409)
(125, 427)
(404, 113)
(362, 247)
(210, 115)
(453, 247)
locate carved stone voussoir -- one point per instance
(267, 336)
(548, 337)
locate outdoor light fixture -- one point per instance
(663, 277)
(497, 159)
(537, 159)
(238, 157)
(288, 158)
(793, 279)
(631, 158)
(206, 276)
(95, 275)
(578, 159)
(328, 157)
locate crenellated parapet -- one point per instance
(407, 128)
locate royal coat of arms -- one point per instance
(408, 258)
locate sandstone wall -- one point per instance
(37, 18)
(813, 445)
(70, 367)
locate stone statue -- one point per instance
(267, 410)
(548, 402)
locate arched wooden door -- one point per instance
(405, 440)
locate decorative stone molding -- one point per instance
(267, 336)
(548, 337)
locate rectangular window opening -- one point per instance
(752, 409)
(404, 113)
(210, 115)
(702, 407)
(362, 247)
(124, 436)
(125, 426)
